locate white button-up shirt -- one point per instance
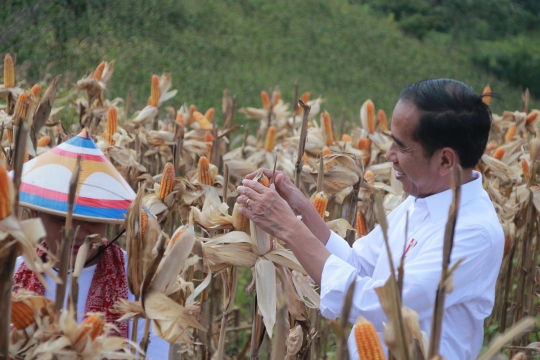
(478, 238)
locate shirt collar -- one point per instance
(438, 204)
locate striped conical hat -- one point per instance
(102, 193)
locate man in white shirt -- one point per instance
(436, 124)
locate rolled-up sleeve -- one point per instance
(338, 246)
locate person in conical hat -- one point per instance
(103, 197)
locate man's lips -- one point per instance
(399, 174)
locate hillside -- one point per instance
(344, 52)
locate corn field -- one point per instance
(205, 278)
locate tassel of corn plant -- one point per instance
(44, 141)
(36, 90)
(167, 181)
(9, 72)
(367, 341)
(526, 169)
(21, 108)
(320, 202)
(92, 326)
(510, 133)
(383, 121)
(203, 171)
(346, 138)
(202, 121)
(209, 140)
(369, 177)
(270, 140)
(98, 73)
(360, 226)
(486, 98)
(155, 93)
(370, 109)
(531, 117)
(499, 153)
(265, 100)
(328, 128)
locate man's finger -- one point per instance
(255, 185)
(266, 172)
(250, 192)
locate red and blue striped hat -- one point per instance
(102, 193)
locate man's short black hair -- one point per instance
(452, 115)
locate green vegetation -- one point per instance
(344, 51)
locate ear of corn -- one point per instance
(328, 128)
(326, 151)
(22, 315)
(369, 177)
(44, 141)
(367, 340)
(305, 158)
(167, 181)
(210, 114)
(180, 119)
(305, 98)
(499, 153)
(144, 223)
(191, 118)
(203, 171)
(26, 155)
(155, 92)
(36, 89)
(202, 121)
(365, 145)
(526, 169)
(5, 200)
(370, 108)
(92, 326)
(320, 202)
(9, 72)
(486, 98)
(346, 138)
(98, 73)
(270, 140)
(383, 121)
(21, 108)
(510, 133)
(361, 227)
(10, 135)
(265, 100)
(112, 120)
(276, 96)
(208, 139)
(532, 116)
(264, 181)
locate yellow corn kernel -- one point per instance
(10, 135)
(44, 141)
(370, 109)
(361, 227)
(9, 72)
(167, 181)
(155, 93)
(202, 121)
(499, 153)
(144, 223)
(526, 169)
(532, 116)
(346, 138)
(367, 340)
(208, 139)
(265, 100)
(36, 89)
(326, 151)
(21, 108)
(369, 177)
(276, 96)
(270, 140)
(487, 95)
(320, 202)
(510, 133)
(98, 73)
(264, 181)
(305, 98)
(203, 171)
(328, 128)
(383, 121)
(92, 326)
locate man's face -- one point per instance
(53, 225)
(418, 173)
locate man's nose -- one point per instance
(391, 153)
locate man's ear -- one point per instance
(448, 158)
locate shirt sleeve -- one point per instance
(422, 275)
